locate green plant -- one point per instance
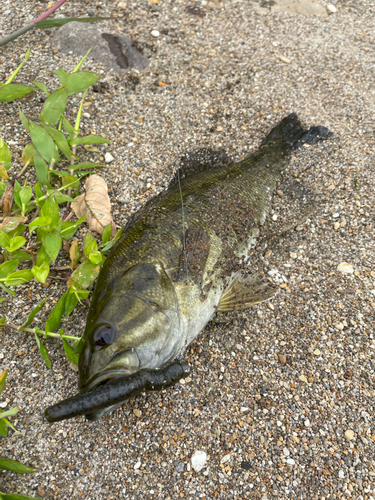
(34, 231)
(6, 463)
(41, 23)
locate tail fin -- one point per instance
(291, 131)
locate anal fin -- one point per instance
(245, 291)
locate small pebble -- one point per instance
(331, 8)
(155, 33)
(198, 460)
(349, 434)
(345, 268)
(293, 255)
(108, 157)
(137, 465)
(290, 461)
(283, 59)
(282, 359)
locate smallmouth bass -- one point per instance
(178, 262)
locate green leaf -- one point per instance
(33, 313)
(61, 141)
(3, 172)
(14, 91)
(15, 496)
(43, 351)
(9, 413)
(89, 139)
(16, 196)
(4, 239)
(43, 142)
(42, 86)
(54, 107)
(112, 242)
(42, 257)
(77, 82)
(63, 198)
(3, 378)
(56, 23)
(14, 466)
(15, 73)
(52, 243)
(70, 302)
(20, 255)
(41, 272)
(61, 75)
(69, 351)
(24, 120)
(69, 228)
(95, 257)
(39, 222)
(28, 154)
(19, 277)
(89, 245)
(7, 268)
(72, 180)
(6, 289)
(106, 234)
(16, 243)
(25, 194)
(5, 155)
(2, 300)
(51, 209)
(81, 62)
(79, 346)
(41, 169)
(39, 194)
(86, 164)
(3, 431)
(54, 319)
(69, 129)
(84, 275)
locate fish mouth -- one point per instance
(105, 378)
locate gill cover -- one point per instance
(133, 326)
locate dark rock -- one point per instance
(113, 50)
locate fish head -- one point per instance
(134, 325)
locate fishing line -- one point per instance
(178, 168)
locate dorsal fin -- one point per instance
(199, 161)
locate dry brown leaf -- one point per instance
(11, 223)
(7, 199)
(95, 204)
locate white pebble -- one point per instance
(137, 465)
(108, 157)
(293, 255)
(290, 461)
(307, 423)
(198, 460)
(341, 474)
(155, 33)
(225, 458)
(286, 452)
(345, 268)
(349, 434)
(331, 8)
(274, 217)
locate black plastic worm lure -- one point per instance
(116, 392)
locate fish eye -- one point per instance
(103, 335)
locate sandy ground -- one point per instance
(281, 396)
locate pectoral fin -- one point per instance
(245, 291)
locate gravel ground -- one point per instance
(281, 396)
